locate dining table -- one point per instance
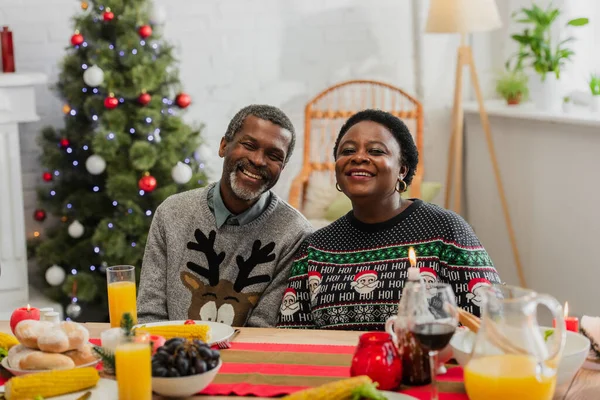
(584, 386)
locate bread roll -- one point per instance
(53, 341)
(78, 335)
(28, 331)
(85, 355)
(16, 353)
(21, 357)
(39, 360)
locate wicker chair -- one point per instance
(324, 116)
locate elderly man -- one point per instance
(223, 253)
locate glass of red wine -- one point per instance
(432, 318)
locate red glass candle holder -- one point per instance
(377, 357)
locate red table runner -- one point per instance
(271, 370)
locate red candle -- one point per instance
(571, 323)
(23, 313)
(8, 54)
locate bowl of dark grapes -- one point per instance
(182, 368)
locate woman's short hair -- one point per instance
(409, 155)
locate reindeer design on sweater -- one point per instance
(221, 300)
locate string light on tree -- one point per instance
(55, 275)
(183, 100)
(64, 143)
(147, 182)
(181, 173)
(76, 230)
(47, 176)
(111, 102)
(93, 76)
(66, 109)
(95, 164)
(77, 39)
(84, 5)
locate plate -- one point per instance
(396, 396)
(19, 372)
(106, 389)
(218, 331)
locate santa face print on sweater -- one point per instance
(314, 284)
(476, 290)
(365, 282)
(290, 304)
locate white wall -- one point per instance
(236, 52)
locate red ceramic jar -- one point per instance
(377, 357)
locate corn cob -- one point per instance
(51, 383)
(7, 341)
(199, 331)
(338, 390)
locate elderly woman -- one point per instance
(350, 274)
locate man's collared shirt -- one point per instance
(225, 217)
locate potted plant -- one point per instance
(539, 52)
(595, 89)
(512, 86)
(567, 104)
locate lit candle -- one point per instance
(23, 313)
(571, 323)
(412, 257)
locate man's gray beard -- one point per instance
(241, 192)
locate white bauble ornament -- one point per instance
(76, 229)
(95, 164)
(55, 275)
(181, 173)
(93, 76)
(73, 310)
(203, 153)
(158, 15)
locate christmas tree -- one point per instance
(123, 150)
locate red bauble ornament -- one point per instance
(47, 176)
(144, 99)
(147, 183)
(64, 142)
(108, 15)
(145, 31)
(183, 100)
(76, 39)
(111, 102)
(39, 215)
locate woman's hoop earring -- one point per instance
(401, 186)
(337, 186)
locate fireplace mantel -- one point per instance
(17, 105)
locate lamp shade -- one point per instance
(462, 16)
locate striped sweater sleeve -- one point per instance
(468, 267)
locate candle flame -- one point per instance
(412, 257)
(28, 307)
(566, 309)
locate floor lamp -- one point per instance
(463, 17)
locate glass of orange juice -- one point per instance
(133, 367)
(121, 293)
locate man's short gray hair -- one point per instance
(266, 112)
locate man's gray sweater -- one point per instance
(233, 274)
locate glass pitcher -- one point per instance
(511, 354)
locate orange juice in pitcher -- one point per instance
(508, 376)
(510, 358)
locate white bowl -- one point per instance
(574, 354)
(184, 386)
